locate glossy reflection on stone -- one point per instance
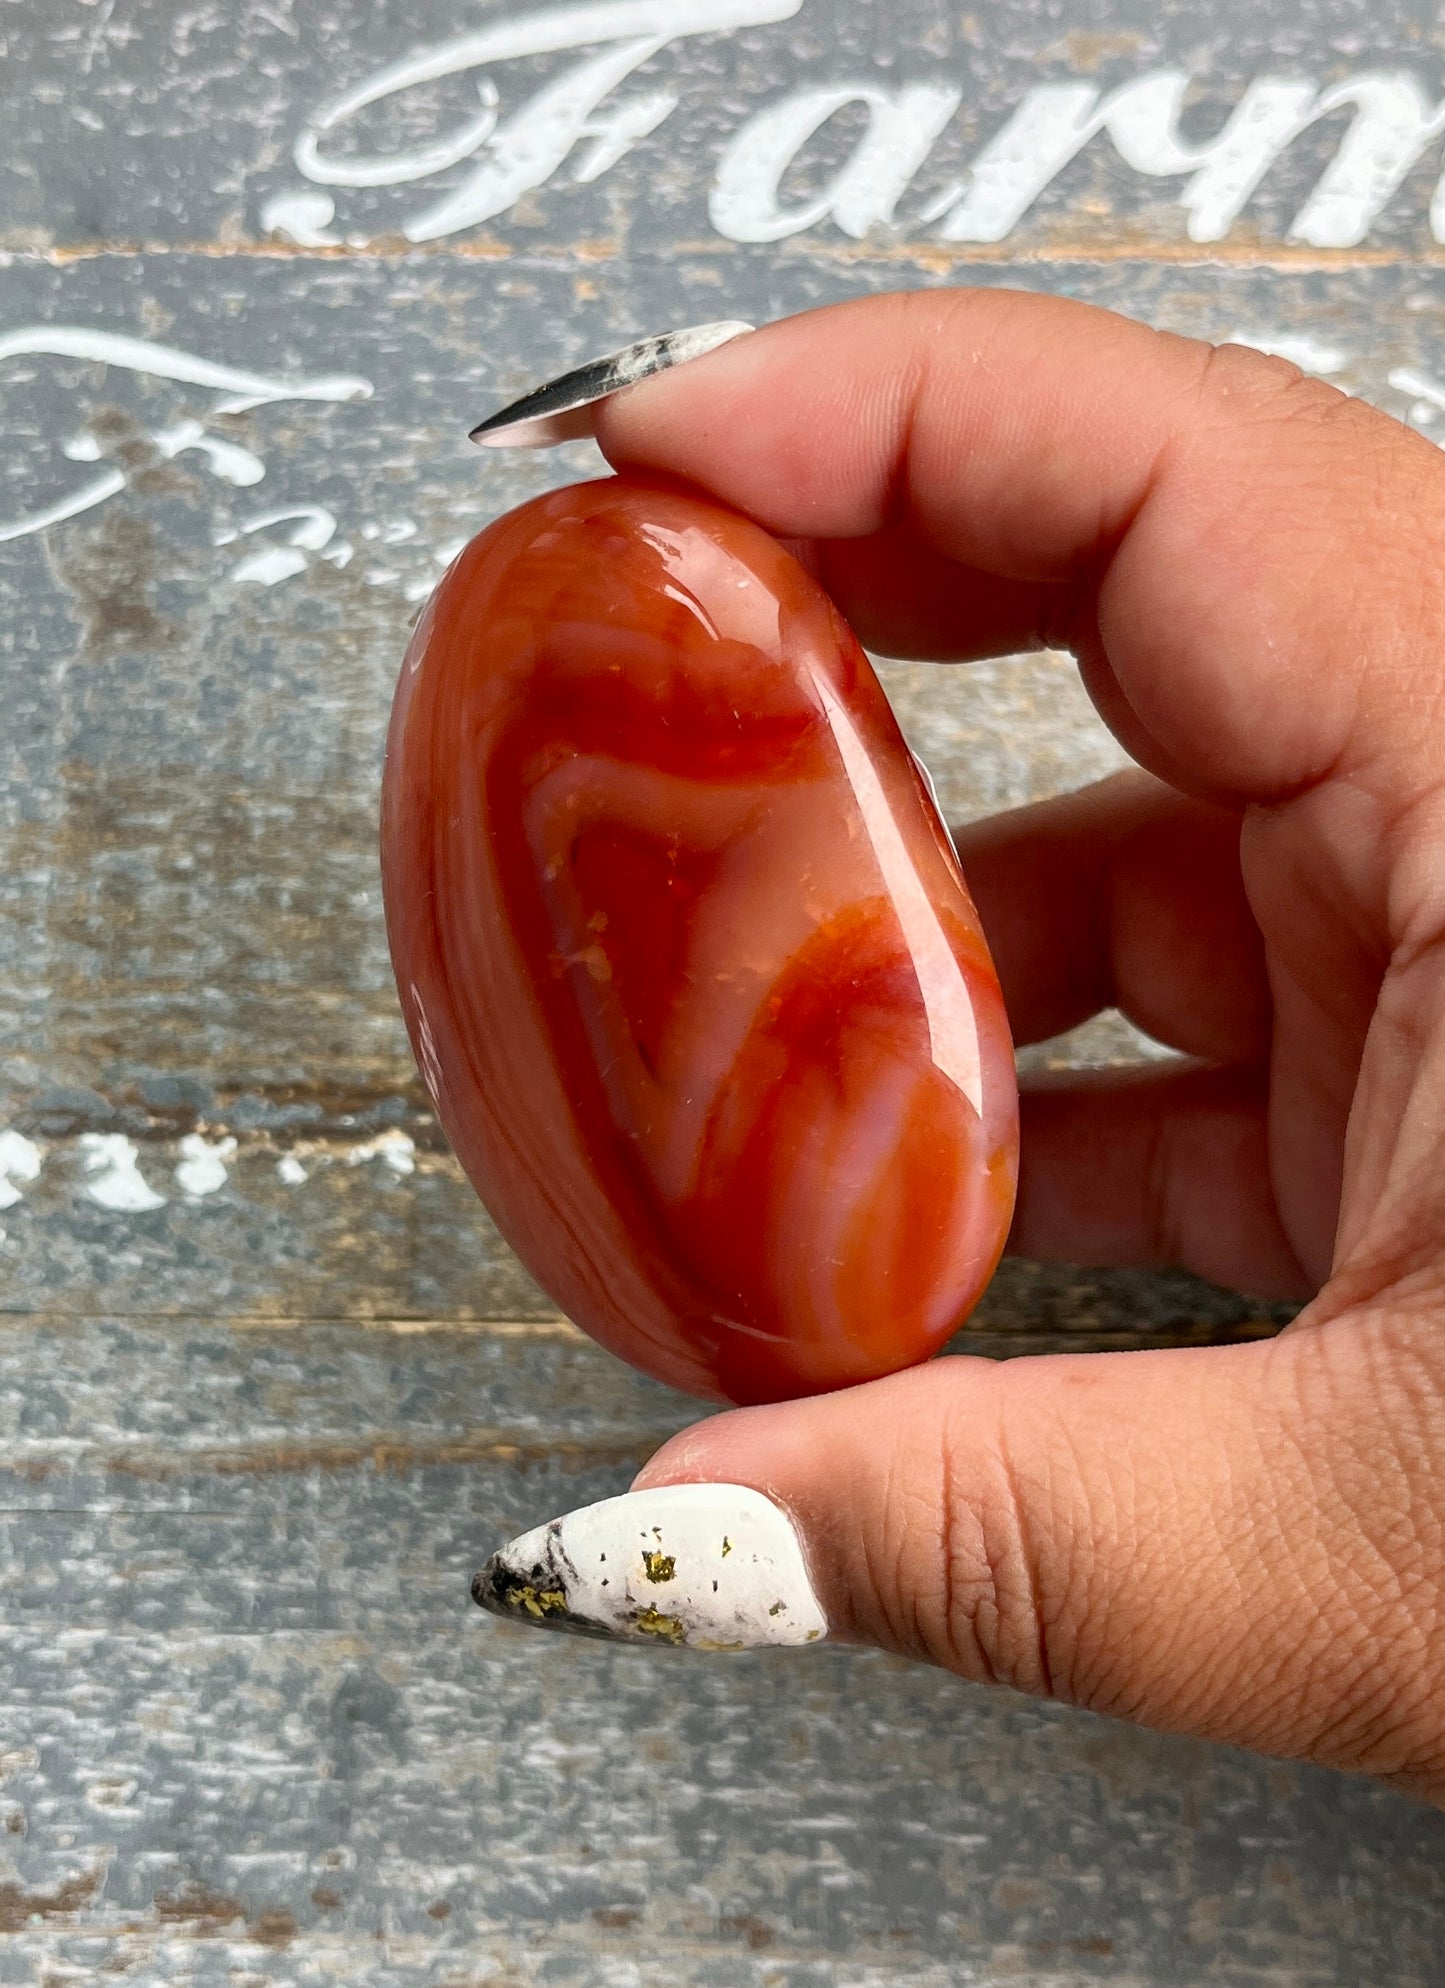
(685, 954)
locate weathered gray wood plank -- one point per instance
(264, 1405)
(136, 122)
(251, 1721)
(188, 782)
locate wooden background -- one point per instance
(269, 1385)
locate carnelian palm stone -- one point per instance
(686, 957)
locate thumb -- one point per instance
(1221, 1541)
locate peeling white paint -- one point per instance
(239, 389)
(19, 1160)
(303, 217)
(312, 529)
(314, 525)
(202, 1168)
(113, 1176)
(290, 1170)
(395, 1150)
(228, 460)
(84, 499)
(269, 566)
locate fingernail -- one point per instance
(700, 1566)
(565, 409)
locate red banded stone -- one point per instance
(685, 954)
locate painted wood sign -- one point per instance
(270, 1385)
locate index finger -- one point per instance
(1249, 557)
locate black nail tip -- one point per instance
(574, 391)
(531, 1599)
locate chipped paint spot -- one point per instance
(228, 460)
(303, 217)
(395, 1150)
(270, 566)
(19, 1160)
(113, 1177)
(659, 1566)
(312, 529)
(202, 1168)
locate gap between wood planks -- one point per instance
(932, 256)
(984, 1341)
(52, 1319)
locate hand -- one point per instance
(1241, 1542)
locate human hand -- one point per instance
(1243, 1542)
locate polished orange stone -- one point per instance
(687, 961)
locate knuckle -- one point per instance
(965, 1588)
(1286, 1594)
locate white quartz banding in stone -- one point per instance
(707, 1566)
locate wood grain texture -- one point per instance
(267, 1399)
(254, 1724)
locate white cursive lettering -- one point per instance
(239, 390)
(1394, 122)
(525, 150)
(902, 128)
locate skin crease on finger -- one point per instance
(1237, 1542)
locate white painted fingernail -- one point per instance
(701, 1566)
